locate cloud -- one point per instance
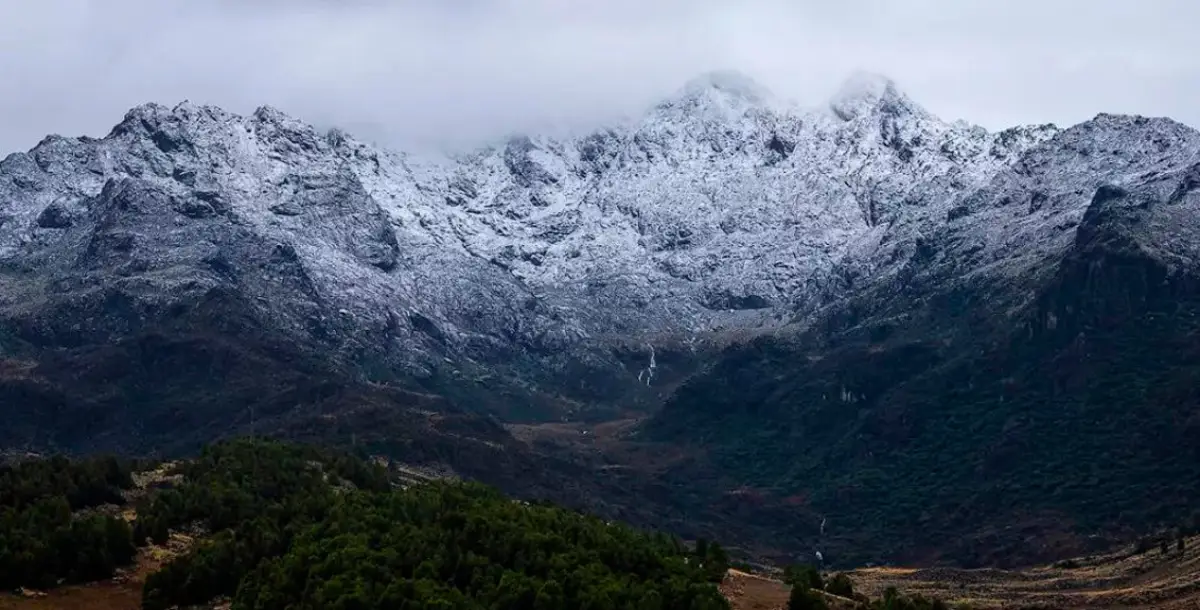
(415, 72)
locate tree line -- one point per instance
(293, 526)
(47, 533)
(301, 527)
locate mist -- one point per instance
(411, 74)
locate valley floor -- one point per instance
(1148, 581)
(1123, 579)
(1120, 580)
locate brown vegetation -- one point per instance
(1125, 580)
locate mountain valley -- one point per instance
(857, 328)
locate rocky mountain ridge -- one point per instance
(1013, 373)
(721, 209)
(806, 303)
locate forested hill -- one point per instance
(289, 526)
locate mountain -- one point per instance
(1014, 378)
(720, 209)
(858, 310)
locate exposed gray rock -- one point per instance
(722, 211)
(55, 216)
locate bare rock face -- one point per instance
(549, 264)
(809, 294)
(1044, 315)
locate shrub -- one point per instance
(804, 598)
(841, 586)
(804, 575)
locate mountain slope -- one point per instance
(845, 297)
(1030, 364)
(721, 208)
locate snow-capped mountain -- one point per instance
(721, 211)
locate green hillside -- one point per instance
(292, 526)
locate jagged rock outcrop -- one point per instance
(839, 276)
(1009, 368)
(721, 209)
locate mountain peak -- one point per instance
(147, 112)
(864, 93)
(729, 82)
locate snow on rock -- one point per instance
(721, 208)
(866, 93)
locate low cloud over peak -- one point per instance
(418, 72)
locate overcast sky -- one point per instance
(403, 72)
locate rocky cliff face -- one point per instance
(1006, 375)
(542, 278)
(555, 264)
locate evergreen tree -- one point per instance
(840, 585)
(803, 574)
(285, 539)
(802, 597)
(43, 538)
